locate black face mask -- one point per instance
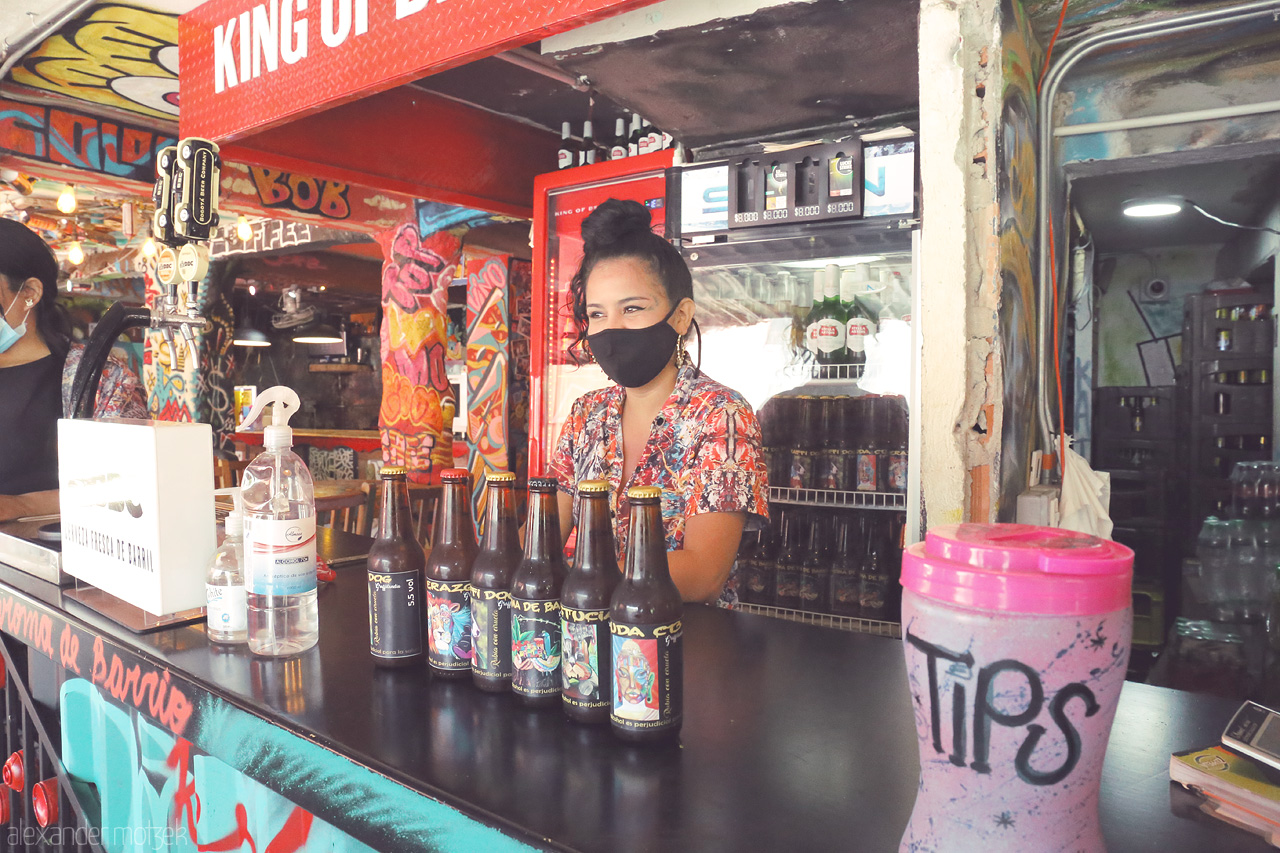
(634, 357)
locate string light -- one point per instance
(76, 254)
(253, 290)
(243, 229)
(67, 200)
(149, 249)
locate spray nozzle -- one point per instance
(234, 525)
(284, 402)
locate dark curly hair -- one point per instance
(622, 229)
(24, 255)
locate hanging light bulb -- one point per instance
(149, 249)
(243, 229)
(76, 254)
(253, 290)
(67, 200)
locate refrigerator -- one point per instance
(760, 233)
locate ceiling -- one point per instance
(1238, 190)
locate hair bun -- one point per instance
(611, 221)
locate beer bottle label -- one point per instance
(227, 608)
(395, 621)
(896, 479)
(868, 471)
(648, 676)
(811, 584)
(449, 619)
(491, 632)
(845, 593)
(535, 647)
(830, 335)
(584, 633)
(788, 586)
(858, 330)
(830, 471)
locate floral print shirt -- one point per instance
(120, 393)
(703, 450)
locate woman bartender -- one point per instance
(664, 423)
(38, 362)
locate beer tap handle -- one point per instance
(167, 331)
(193, 291)
(190, 338)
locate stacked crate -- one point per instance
(1225, 378)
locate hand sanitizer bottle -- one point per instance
(224, 582)
(279, 537)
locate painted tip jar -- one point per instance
(1017, 641)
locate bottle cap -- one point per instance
(543, 484)
(500, 477)
(1020, 568)
(454, 475)
(644, 493)
(389, 471)
(593, 487)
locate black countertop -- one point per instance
(795, 737)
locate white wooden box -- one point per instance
(137, 509)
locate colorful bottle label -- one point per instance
(618, 152)
(856, 333)
(535, 647)
(896, 476)
(279, 555)
(829, 335)
(449, 621)
(491, 632)
(564, 158)
(583, 634)
(648, 676)
(395, 621)
(227, 609)
(868, 471)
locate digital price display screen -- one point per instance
(704, 199)
(889, 182)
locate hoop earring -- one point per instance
(682, 354)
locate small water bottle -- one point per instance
(279, 537)
(224, 580)
(1213, 547)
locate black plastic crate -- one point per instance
(1231, 390)
(1215, 448)
(1157, 551)
(1143, 496)
(1218, 325)
(1136, 455)
(1135, 412)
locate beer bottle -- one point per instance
(453, 550)
(491, 574)
(648, 661)
(535, 601)
(844, 597)
(586, 664)
(790, 557)
(395, 578)
(815, 570)
(874, 580)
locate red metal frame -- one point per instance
(543, 186)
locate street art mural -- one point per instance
(272, 192)
(332, 463)
(1016, 196)
(68, 137)
(115, 56)
(488, 338)
(1087, 15)
(417, 410)
(520, 300)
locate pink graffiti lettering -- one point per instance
(69, 649)
(164, 702)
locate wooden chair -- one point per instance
(422, 509)
(344, 509)
(227, 472)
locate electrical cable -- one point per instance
(1198, 209)
(1048, 54)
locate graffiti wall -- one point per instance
(520, 298)
(1016, 195)
(69, 137)
(114, 55)
(272, 192)
(417, 410)
(488, 339)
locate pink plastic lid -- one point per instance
(1019, 568)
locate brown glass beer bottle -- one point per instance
(395, 578)
(535, 601)
(648, 660)
(491, 574)
(586, 662)
(453, 550)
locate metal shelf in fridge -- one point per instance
(826, 497)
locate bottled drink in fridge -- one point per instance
(280, 537)
(893, 453)
(224, 581)
(815, 569)
(827, 322)
(790, 562)
(648, 657)
(491, 573)
(806, 441)
(535, 601)
(618, 150)
(845, 568)
(395, 567)
(858, 323)
(586, 662)
(873, 579)
(587, 153)
(567, 156)
(453, 550)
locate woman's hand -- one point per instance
(32, 503)
(702, 566)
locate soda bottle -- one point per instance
(491, 573)
(586, 663)
(453, 550)
(648, 659)
(535, 601)
(395, 569)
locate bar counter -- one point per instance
(795, 737)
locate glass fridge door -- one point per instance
(562, 201)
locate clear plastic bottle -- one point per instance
(280, 538)
(224, 581)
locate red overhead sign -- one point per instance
(247, 65)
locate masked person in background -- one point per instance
(38, 362)
(664, 423)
